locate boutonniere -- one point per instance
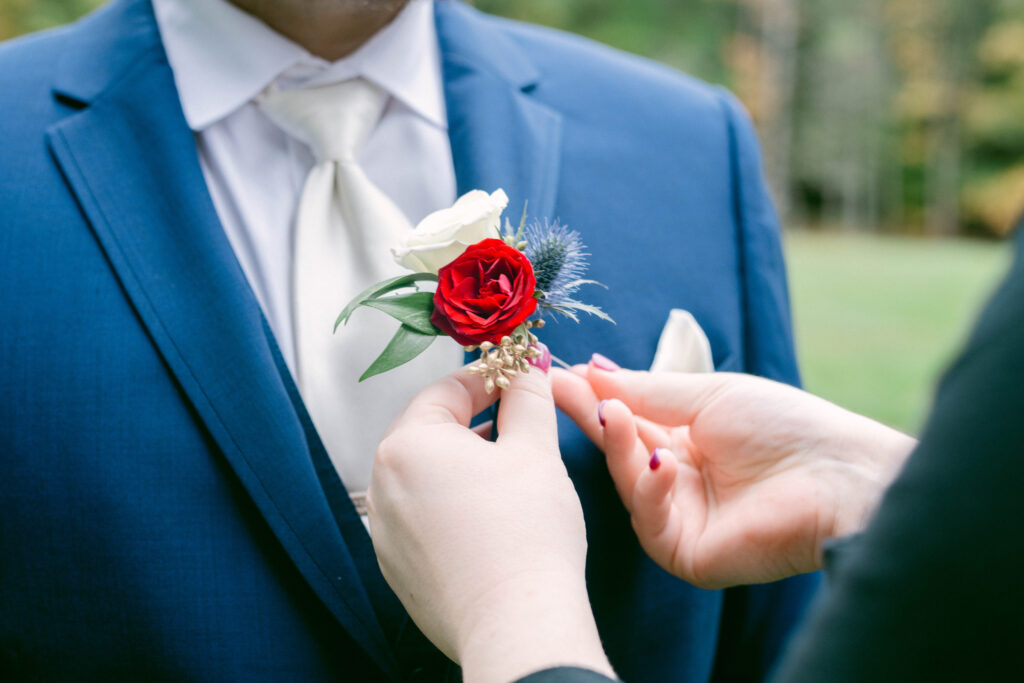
(492, 287)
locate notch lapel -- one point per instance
(500, 135)
(130, 159)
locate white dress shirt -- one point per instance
(223, 59)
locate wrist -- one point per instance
(870, 455)
(529, 623)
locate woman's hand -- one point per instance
(484, 543)
(732, 479)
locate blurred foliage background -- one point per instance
(882, 115)
(886, 125)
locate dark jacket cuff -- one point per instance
(567, 674)
(836, 553)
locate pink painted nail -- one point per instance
(655, 460)
(600, 412)
(602, 363)
(543, 362)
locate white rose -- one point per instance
(441, 237)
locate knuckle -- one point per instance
(390, 451)
(534, 389)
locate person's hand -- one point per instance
(484, 543)
(732, 479)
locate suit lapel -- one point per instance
(500, 136)
(130, 159)
(389, 610)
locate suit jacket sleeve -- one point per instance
(757, 621)
(768, 325)
(931, 591)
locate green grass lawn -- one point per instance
(879, 318)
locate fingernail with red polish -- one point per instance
(600, 412)
(602, 363)
(655, 460)
(543, 361)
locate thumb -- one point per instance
(668, 398)
(526, 413)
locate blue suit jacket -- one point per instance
(166, 508)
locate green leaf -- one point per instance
(522, 221)
(403, 347)
(413, 310)
(379, 290)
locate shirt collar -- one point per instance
(222, 58)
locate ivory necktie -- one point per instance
(345, 228)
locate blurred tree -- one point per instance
(841, 93)
(932, 42)
(994, 127)
(763, 57)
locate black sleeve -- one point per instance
(932, 591)
(566, 674)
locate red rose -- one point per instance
(484, 294)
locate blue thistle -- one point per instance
(559, 263)
(557, 257)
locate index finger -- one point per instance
(668, 398)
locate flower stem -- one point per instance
(561, 363)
